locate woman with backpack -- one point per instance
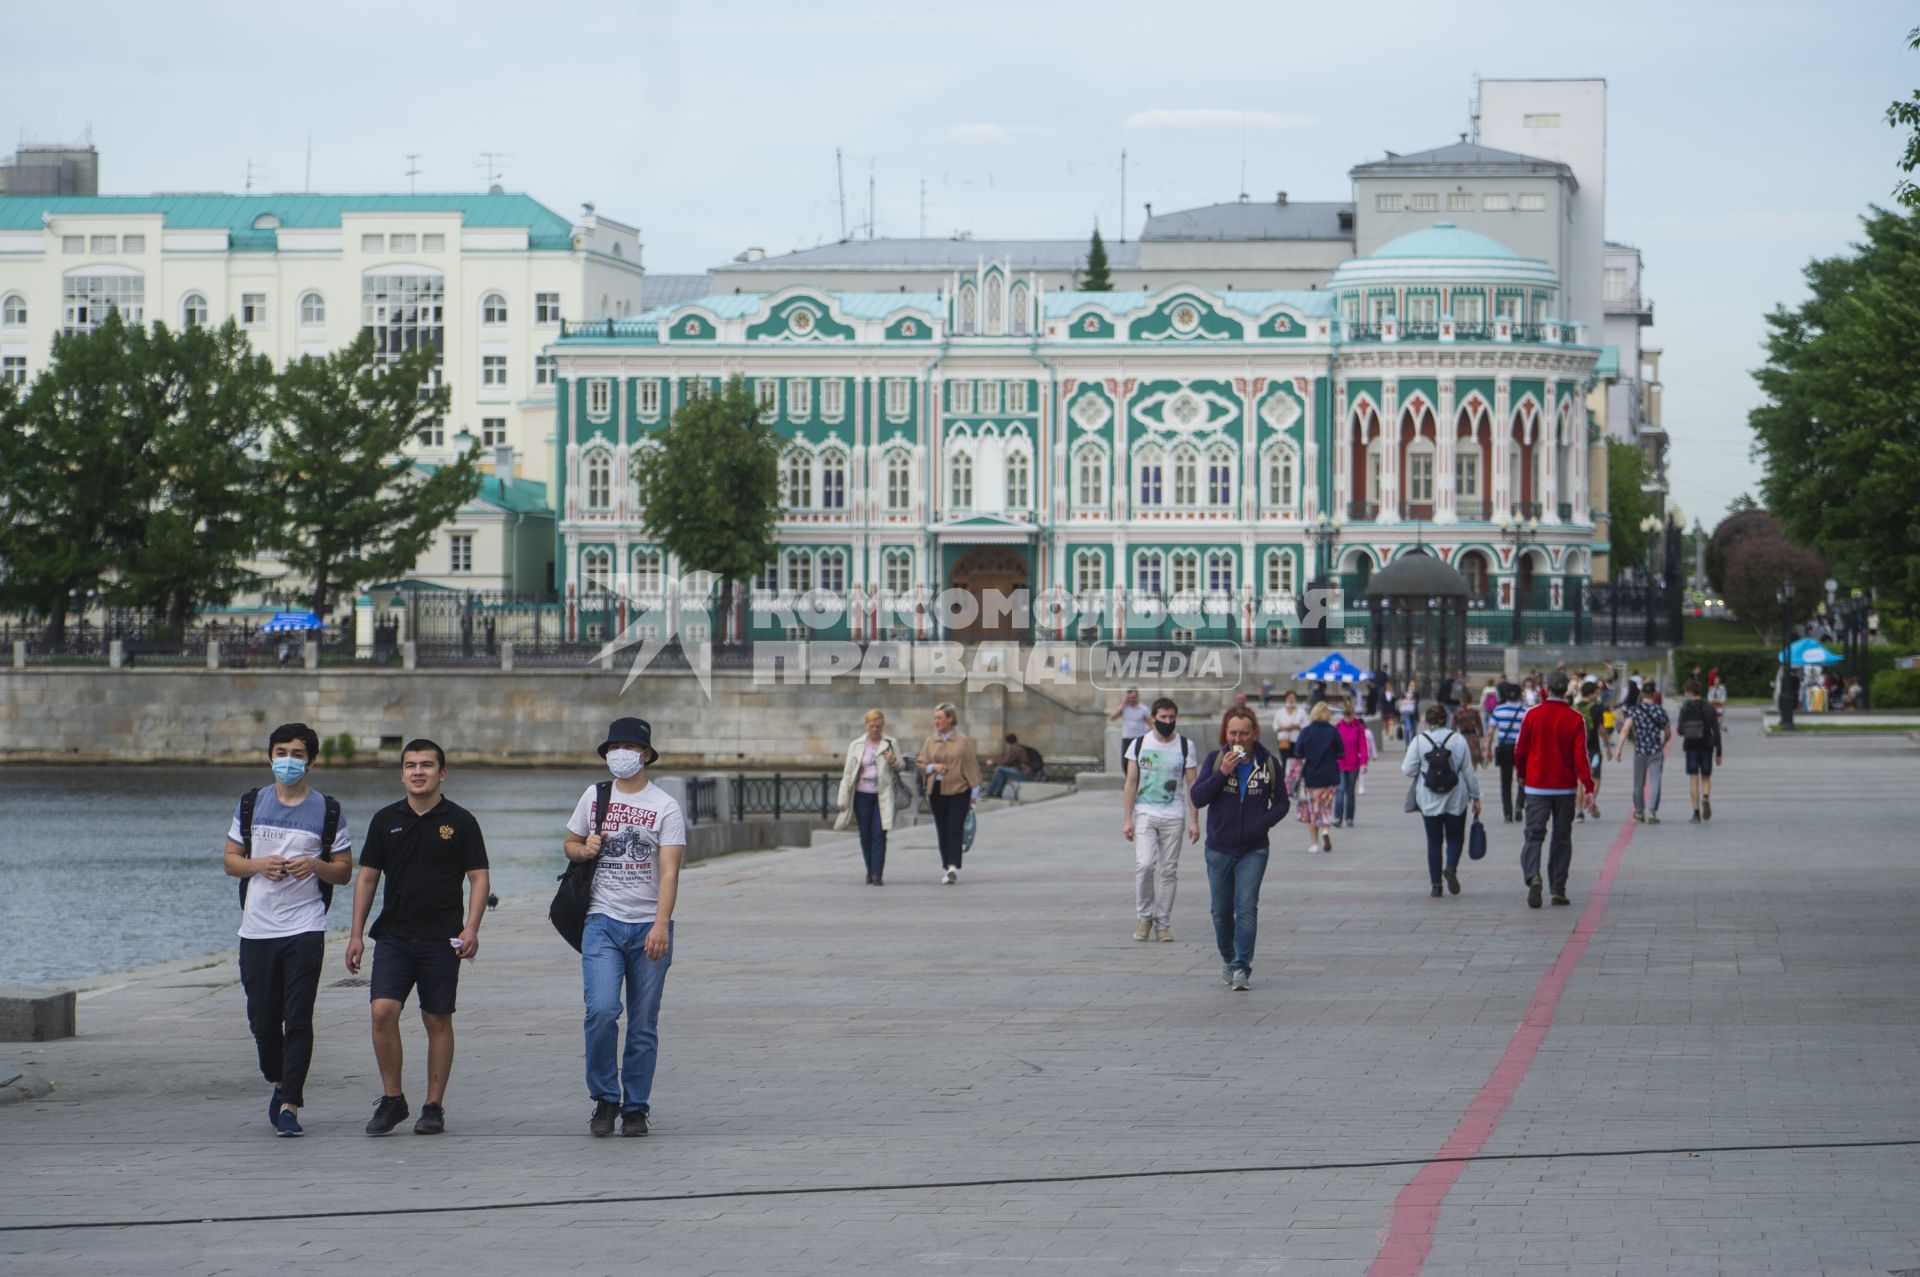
(1316, 761)
(1444, 787)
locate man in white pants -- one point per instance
(1156, 803)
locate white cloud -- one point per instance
(1215, 118)
(994, 134)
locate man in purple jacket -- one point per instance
(1245, 794)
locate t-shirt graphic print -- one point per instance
(626, 886)
(1162, 768)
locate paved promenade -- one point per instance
(996, 1078)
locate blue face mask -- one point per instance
(288, 771)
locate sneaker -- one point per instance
(273, 1109)
(1163, 934)
(1435, 893)
(387, 1114)
(1349, 822)
(950, 877)
(1226, 976)
(433, 1120)
(288, 1124)
(633, 1122)
(1533, 892)
(1144, 930)
(1313, 849)
(604, 1111)
(1639, 815)
(1242, 981)
(1560, 898)
(1326, 841)
(1453, 880)
(1653, 818)
(1695, 818)
(1706, 809)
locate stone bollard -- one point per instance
(506, 657)
(117, 654)
(409, 656)
(310, 654)
(36, 1015)
(213, 654)
(19, 654)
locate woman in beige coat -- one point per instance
(867, 791)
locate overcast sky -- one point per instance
(1744, 138)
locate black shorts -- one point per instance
(402, 963)
(1699, 762)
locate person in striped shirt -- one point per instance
(1506, 734)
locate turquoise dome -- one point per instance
(1444, 239)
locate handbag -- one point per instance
(568, 912)
(1413, 801)
(1476, 841)
(966, 833)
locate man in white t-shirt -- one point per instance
(1132, 717)
(638, 844)
(1156, 805)
(286, 882)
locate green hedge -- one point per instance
(1749, 671)
(1896, 689)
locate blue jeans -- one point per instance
(1000, 777)
(873, 839)
(1346, 797)
(1454, 830)
(611, 952)
(1409, 725)
(1235, 884)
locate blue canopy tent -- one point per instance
(292, 622)
(1809, 652)
(1334, 668)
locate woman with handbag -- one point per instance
(869, 785)
(1316, 765)
(1444, 786)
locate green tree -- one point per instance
(1756, 566)
(1098, 277)
(352, 507)
(1729, 533)
(210, 397)
(1627, 504)
(710, 490)
(1907, 114)
(77, 471)
(1838, 436)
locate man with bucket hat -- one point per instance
(633, 833)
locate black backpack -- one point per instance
(1035, 763)
(1693, 723)
(329, 830)
(568, 912)
(1438, 766)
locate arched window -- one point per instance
(313, 310)
(193, 311)
(896, 567)
(1089, 572)
(1019, 306)
(13, 311)
(599, 480)
(1219, 571)
(596, 571)
(648, 572)
(1466, 481)
(1150, 464)
(1019, 480)
(1186, 477)
(833, 571)
(1373, 473)
(1420, 457)
(1089, 478)
(899, 481)
(1150, 572)
(1183, 572)
(799, 494)
(1473, 567)
(833, 481)
(996, 315)
(493, 310)
(799, 566)
(969, 308)
(1220, 476)
(1280, 493)
(1279, 573)
(960, 482)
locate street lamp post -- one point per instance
(1515, 532)
(1786, 654)
(1326, 535)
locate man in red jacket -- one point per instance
(1551, 757)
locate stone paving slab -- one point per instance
(1753, 982)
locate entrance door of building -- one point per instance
(996, 577)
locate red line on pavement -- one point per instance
(1416, 1212)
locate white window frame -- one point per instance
(1496, 202)
(493, 432)
(85, 299)
(990, 398)
(1386, 202)
(1150, 572)
(1186, 478)
(1017, 397)
(1424, 202)
(102, 245)
(1282, 476)
(648, 397)
(1531, 202)
(71, 244)
(1223, 576)
(833, 480)
(796, 570)
(1019, 304)
(493, 310)
(1466, 472)
(373, 243)
(13, 311)
(133, 244)
(960, 482)
(649, 571)
(899, 472)
(194, 311)
(899, 398)
(896, 571)
(596, 571)
(797, 479)
(398, 243)
(1616, 284)
(1423, 308)
(1279, 573)
(831, 571)
(313, 309)
(433, 242)
(459, 553)
(1019, 479)
(1183, 572)
(493, 372)
(962, 397)
(545, 370)
(1090, 477)
(799, 398)
(253, 310)
(1469, 309)
(1221, 467)
(1150, 478)
(833, 399)
(596, 473)
(1421, 462)
(766, 395)
(1089, 572)
(13, 370)
(599, 399)
(1460, 201)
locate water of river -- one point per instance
(105, 868)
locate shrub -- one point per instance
(1896, 689)
(1749, 671)
(326, 749)
(347, 747)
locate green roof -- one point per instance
(1443, 239)
(1608, 365)
(236, 214)
(515, 495)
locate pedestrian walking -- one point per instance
(288, 845)
(1507, 716)
(1595, 717)
(1240, 785)
(428, 848)
(1355, 753)
(1699, 730)
(1316, 764)
(1444, 789)
(1717, 699)
(633, 832)
(1649, 730)
(1469, 723)
(1409, 707)
(1155, 806)
(870, 789)
(1489, 698)
(1551, 757)
(1287, 722)
(1133, 718)
(1389, 713)
(952, 768)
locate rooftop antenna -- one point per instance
(1243, 161)
(870, 164)
(840, 177)
(923, 208)
(1473, 109)
(413, 170)
(1123, 195)
(490, 161)
(253, 171)
(307, 185)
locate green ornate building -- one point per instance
(1167, 466)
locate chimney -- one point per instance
(1281, 198)
(751, 255)
(1149, 210)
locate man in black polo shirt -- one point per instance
(426, 846)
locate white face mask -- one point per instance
(623, 763)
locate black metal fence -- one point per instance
(779, 795)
